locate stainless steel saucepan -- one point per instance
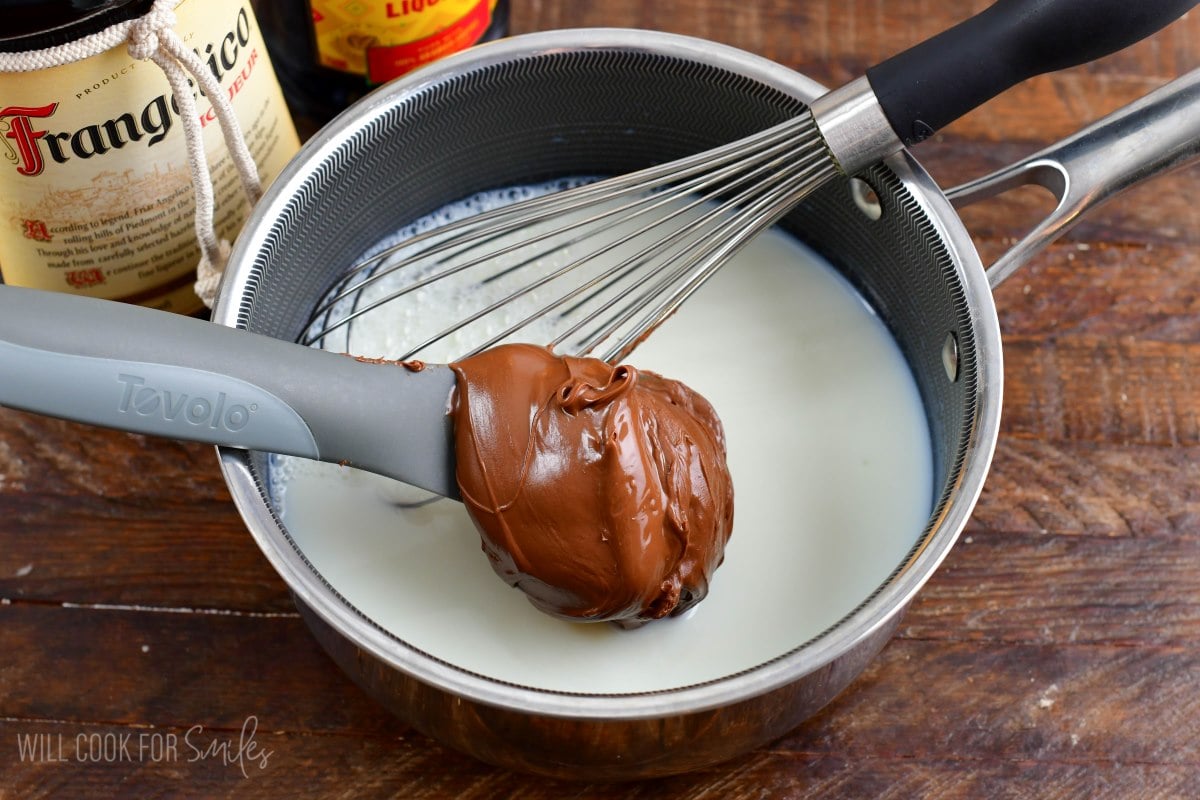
(607, 101)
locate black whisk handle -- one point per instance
(941, 79)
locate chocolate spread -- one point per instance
(601, 492)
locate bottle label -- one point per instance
(383, 40)
(95, 192)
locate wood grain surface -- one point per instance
(1056, 654)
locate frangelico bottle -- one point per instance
(96, 195)
(328, 53)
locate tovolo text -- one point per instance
(217, 412)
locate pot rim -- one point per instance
(879, 609)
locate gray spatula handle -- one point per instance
(145, 371)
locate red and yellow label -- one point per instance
(383, 40)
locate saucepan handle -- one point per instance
(939, 80)
(1149, 137)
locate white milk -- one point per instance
(830, 456)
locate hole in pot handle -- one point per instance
(1149, 137)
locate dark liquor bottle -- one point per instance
(328, 53)
(37, 24)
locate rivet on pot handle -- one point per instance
(1149, 137)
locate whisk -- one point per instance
(594, 268)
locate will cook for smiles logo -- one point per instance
(240, 750)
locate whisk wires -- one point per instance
(589, 270)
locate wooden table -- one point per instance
(1055, 654)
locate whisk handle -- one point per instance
(145, 371)
(934, 83)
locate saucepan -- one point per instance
(600, 101)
